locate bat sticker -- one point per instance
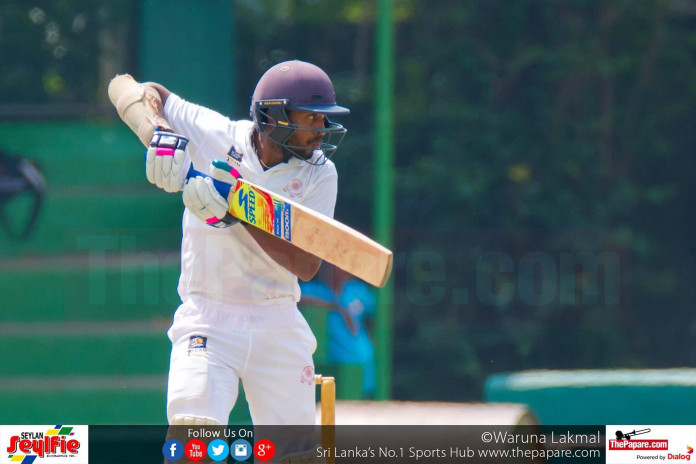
(262, 210)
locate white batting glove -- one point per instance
(166, 162)
(201, 198)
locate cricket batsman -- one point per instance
(238, 319)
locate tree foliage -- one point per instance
(53, 50)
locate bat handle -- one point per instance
(223, 188)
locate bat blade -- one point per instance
(312, 232)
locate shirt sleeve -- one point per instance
(208, 131)
(321, 194)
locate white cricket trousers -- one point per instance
(268, 347)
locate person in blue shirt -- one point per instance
(351, 304)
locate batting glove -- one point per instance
(166, 162)
(204, 201)
(220, 170)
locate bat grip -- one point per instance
(223, 188)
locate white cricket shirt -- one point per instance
(227, 265)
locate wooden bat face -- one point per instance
(314, 233)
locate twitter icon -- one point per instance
(218, 450)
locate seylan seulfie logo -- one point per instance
(44, 444)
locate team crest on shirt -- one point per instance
(294, 188)
(198, 344)
(307, 375)
(234, 156)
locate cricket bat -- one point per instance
(308, 230)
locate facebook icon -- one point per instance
(173, 450)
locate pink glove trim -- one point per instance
(212, 220)
(164, 151)
(235, 173)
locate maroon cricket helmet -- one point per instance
(296, 85)
(303, 85)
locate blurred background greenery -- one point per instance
(544, 166)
